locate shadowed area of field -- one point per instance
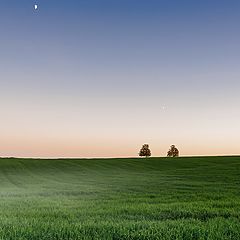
(153, 198)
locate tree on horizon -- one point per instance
(173, 151)
(145, 151)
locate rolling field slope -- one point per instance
(154, 198)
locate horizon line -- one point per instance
(121, 157)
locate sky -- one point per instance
(90, 78)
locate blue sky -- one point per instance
(99, 78)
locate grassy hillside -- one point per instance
(155, 198)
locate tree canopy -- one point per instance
(145, 151)
(173, 151)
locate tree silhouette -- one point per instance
(145, 151)
(173, 151)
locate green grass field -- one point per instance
(154, 198)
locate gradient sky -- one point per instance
(95, 78)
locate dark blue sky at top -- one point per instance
(108, 44)
(128, 31)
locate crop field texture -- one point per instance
(153, 198)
